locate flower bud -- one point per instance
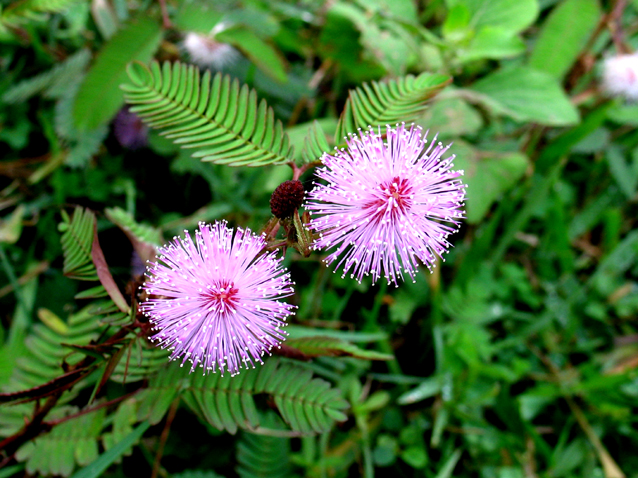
(287, 198)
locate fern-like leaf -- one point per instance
(162, 389)
(145, 239)
(87, 146)
(52, 83)
(221, 120)
(307, 404)
(395, 101)
(71, 442)
(43, 361)
(260, 456)
(139, 363)
(77, 241)
(314, 144)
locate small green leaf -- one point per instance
(11, 228)
(321, 346)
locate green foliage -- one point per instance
(23, 11)
(487, 175)
(44, 354)
(315, 144)
(220, 119)
(564, 35)
(77, 242)
(307, 404)
(380, 103)
(331, 346)
(52, 83)
(527, 95)
(139, 362)
(516, 357)
(72, 442)
(260, 456)
(99, 96)
(140, 232)
(259, 52)
(197, 474)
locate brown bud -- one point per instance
(287, 197)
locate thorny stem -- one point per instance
(53, 423)
(30, 430)
(166, 22)
(615, 27)
(37, 425)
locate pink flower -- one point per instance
(215, 302)
(387, 204)
(620, 76)
(206, 52)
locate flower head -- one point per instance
(215, 301)
(620, 76)
(287, 197)
(207, 52)
(387, 204)
(129, 130)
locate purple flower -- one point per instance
(214, 302)
(129, 130)
(387, 204)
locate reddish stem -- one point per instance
(163, 437)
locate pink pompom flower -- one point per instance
(386, 204)
(620, 76)
(215, 301)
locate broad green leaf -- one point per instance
(487, 175)
(493, 43)
(511, 15)
(400, 9)
(527, 95)
(100, 97)
(623, 114)
(197, 17)
(451, 118)
(257, 50)
(564, 35)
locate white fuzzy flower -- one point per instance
(620, 76)
(207, 52)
